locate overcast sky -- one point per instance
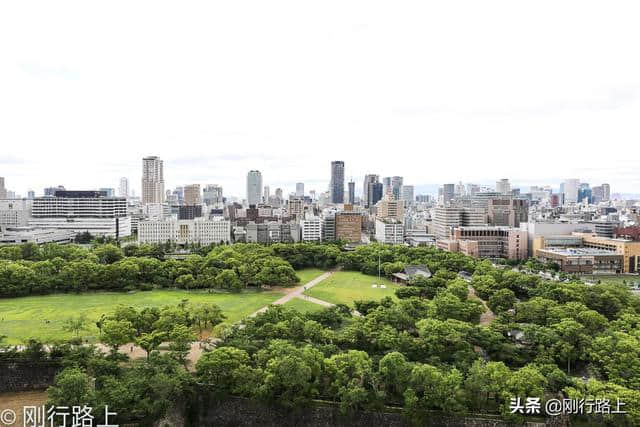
(437, 92)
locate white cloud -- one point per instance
(434, 91)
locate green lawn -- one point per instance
(303, 306)
(308, 274)
(24, 318)
(344, 287)
(613, 278)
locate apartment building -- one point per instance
(389, 231)
(182, 232)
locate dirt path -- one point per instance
(297, 292)
(488, 316)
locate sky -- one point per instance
(447, 91)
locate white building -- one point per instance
(20, 235)
(15, 212)
(503, 186)
(254, 187)
(123, 188)
(311, 229)
(299, 189)
(389, 231)
(82, 211)
(199, 230)
(571, 187)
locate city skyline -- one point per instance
(541, 107)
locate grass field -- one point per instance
(308, 274)
(303, 306)
(24, 318)
(617, 278)
(344, 287)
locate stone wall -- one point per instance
(27, 375)
(237, 412)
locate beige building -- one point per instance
(152, 180)
(599, 246)
(448, 217)
(487, 242)
(349, 226)
(192, 194)
(389, 208)
(507, 211)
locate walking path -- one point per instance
(297, 292)
(488, 316)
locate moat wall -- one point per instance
(18, 376)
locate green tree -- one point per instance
(72, 386)
(76, 324)
(116, 333)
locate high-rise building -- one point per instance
(503, 186)
(50, 191)
(109, 192)
(152, 180)
(192, 194)
(386, 185)
(448, 193)
(254, 187)
(407, 194)
(336, 186)
(352, 193)
(396, 187)
(3, 190)
(123, 188)
(606, 189)
(212, 195)
(31, 194)
(507, 211)
(584, 193)
(388, 207)
(348, 226)
(300, 189)
(448, 217)
(266, 193)
(570, 190)
(296, 206)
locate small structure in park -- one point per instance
(411, 271)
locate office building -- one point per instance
(389, 207)
(336, 185)
(15, 212)
(348, 226)
(3, 189)
(503, 186)
(254, 188)
(50, 191)
(396, 187)
(19, 235)
(296, 206)
(448, 217)
(81, 211)
(311, 229)
(300, 189)
(487, 242)
(407, 194)
(570, 191)
(189, 211)
(123, 188)
(200, 231)
(448, 193)
(373, 190)
(152, 180)
(212, 195)
(192, 194)
(389, 231)
(352, 193)
(507, 211)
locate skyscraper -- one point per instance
(212, 195)
(448, 192)
(352, 192)
(152, 180)
(266, 193)
(3, 190)
(386, 185)
(192, 194)
(570, 189)
(254, 187)
(336, 186)
(396, 187)
(606, 189)
(407, 193)
(300, 189)
(123, 188)
(503, 186)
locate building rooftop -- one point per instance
(579, 251)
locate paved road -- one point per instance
(298, 293)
